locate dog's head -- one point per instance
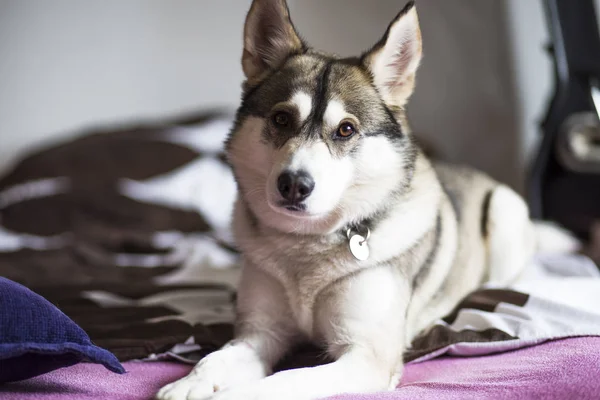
(320, 141)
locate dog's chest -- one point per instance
(305, 268)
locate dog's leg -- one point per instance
(362, 321)
(511, 236)
(264, 333)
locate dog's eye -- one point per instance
(281, 119)
(346, 130)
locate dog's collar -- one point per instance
(357, 236)
(360, 227)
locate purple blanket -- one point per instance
(562, 369)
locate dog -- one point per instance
(351, 237)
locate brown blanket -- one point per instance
(64, 223)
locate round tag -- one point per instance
(359, 247)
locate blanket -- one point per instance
(127, 232)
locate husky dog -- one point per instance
(351, 237)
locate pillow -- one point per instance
(36, 337)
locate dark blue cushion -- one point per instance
(36, 337)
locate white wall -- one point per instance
(67, 64)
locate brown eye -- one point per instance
(281, 119)
(346, 130)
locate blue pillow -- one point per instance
(36, 337)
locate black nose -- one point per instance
(295, 186)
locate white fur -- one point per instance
(334, 113)
(378, 170)
(303, 102)
(511, 236)
(332, 176)
(229, 367)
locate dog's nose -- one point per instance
(295, 186)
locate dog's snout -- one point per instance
(295, 186)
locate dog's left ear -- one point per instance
(269, 37)
(394, 60)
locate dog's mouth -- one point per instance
(293, 207)
(296, 210)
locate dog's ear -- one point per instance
(269, 37)
(394, 60)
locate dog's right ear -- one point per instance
(269, 37)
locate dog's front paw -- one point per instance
(218, 371)
(282, 386)
(188, 388)
(255, 392)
